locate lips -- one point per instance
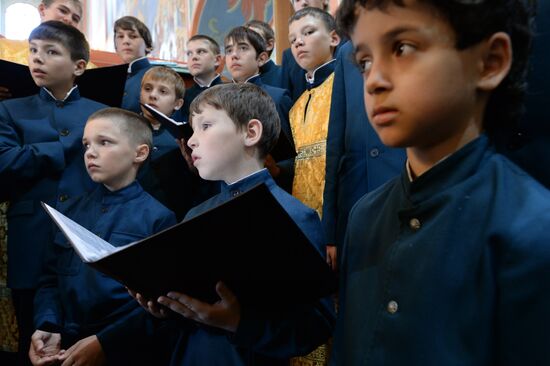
(300, 54)
(195, 159)
(92, 167)
(38, 72)
(383, 115)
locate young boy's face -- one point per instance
(218, 147)
(419, 90)
(159, 94)
(311, 43)
(110, 156)
(129, 44)
(51, 65)
(241, 60)
(62, 10)
(200, 58)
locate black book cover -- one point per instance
(250, 243)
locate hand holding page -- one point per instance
(178, 130)
(234, 243)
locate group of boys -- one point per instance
(445, 264)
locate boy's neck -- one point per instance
(205, 80)
(421, 159)
(61, 92)
(245, 79)
(245, 169)
(123, 182)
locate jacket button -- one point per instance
(414, 224)
(64, 132)
(374, 153)
(63, 198)
(392, 307)
(235, 193)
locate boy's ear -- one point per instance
(218, 61)
(254, 130)
(41, 9)
(334, 38)
(178, 104)
(496, 62)
(79, 67)
(270, 44)
(142, 152)
(263, 58)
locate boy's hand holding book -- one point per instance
(224, 314)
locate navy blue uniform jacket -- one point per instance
(357, 161)
(260, 340)
(132, 89)
(74, 298)
(451, 269)
(272, 74)
(40, 160)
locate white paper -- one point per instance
(88, 246)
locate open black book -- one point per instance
(178, 130)
(250, 243)
(104, 84)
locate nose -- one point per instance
(90, 152)
(377, 80)
(36, 57)
(192, 142)
(299, 41)
(153, 95)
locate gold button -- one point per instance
(63, 198)
(414, 224)
(392, 307)
(64, 132)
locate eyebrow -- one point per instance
(387, 37)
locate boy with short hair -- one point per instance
(447, 264)
(77, 307)
(133, 43)
(166, 175)
(40, 144)
(203, 59)
(292, 74)
(270, 72)
(235, 126)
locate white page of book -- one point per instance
(89, 246)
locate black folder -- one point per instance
(250, 243)
(177, 129)
(104, 84)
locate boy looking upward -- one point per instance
(76, 307)
(452, 267)
(132, 43)
(203, 59)
(235, 126)
(40, 146)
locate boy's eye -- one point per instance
(52, 52)
(105, 142)
(403, 49)
(86, 146)
(364, 65)
(201, 52)
(205, 126)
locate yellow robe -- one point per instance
(309, 123)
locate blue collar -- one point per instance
(138, 65)
(455, 169)
(122, 195)
(73, 95)
(320, 74)
(267, 67)
(256, 80)
(243, 185)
